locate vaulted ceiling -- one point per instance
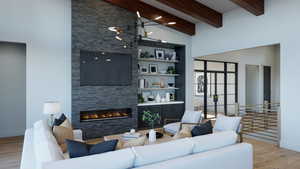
(186, 13)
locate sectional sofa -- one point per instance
(215, 151)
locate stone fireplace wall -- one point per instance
(90, 20)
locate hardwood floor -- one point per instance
(10, 152)
(266, 156)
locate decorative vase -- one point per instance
(157, 98)
(152, 136)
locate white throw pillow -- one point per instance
(145, 155)
(213, 141)
(191, 117)
(224, 123)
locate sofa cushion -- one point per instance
(213, 141)
(172, 127)
(150, 154)
(120, 159)
(191, 117)
(62, 134)
(80, 149)
(203, 129)
(60, 120)
(224, 123)
(239, 156)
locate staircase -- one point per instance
(261, 122)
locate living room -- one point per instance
(115, 67)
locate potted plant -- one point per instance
(151, 118)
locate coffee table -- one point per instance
(165, 137)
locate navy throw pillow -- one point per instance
(80, 149)
(203, 129)
(60, 120)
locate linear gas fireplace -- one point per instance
(99, 115)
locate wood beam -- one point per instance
(256, 7)
(196, 10)
(151, 13)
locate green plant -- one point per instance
(151, 118)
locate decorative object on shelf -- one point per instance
(171, 84)
(151, 118)
(144, 69)
(173, 56)
(158, 98)
(171, 70)
(142, 83)
(168, 98)
(52, 108)
(145, 54)
(159, 54)
(153, 68)
(172, 97)
(162, 84)
(151, 98)
(141, 98)
(156, 84)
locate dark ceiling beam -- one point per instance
(151, 13)
(196, 10)
(256, 7)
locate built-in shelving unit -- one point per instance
(157, 60)
(169, 88)
(157, 74)
(162, 103)
(163, 82)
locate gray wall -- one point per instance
(90, 22)
(12, 89)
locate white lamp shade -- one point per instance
(52, 107)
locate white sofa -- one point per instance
(214, 151)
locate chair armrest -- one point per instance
(78, 134)
(172, 120)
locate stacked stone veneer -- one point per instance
(90, 20)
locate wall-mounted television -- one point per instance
(105, 69)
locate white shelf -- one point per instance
(157, 60)
(167, 88)
(158, 74)
(162, 103)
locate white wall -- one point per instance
(243, 30)
(260, 56)
(45, 27)
(172, 36)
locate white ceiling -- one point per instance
(221, 6)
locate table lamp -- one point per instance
(52, 108)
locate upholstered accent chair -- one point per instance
(190, 118)
(229, 123)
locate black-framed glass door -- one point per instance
(215, 85)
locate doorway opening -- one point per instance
(215, 87)
(12, 89)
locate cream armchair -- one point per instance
(192, 118)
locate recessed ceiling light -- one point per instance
(171, 23)
(164, 41)
(158, 18)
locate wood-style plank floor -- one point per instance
(266, 156)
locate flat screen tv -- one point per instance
(105, 69)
